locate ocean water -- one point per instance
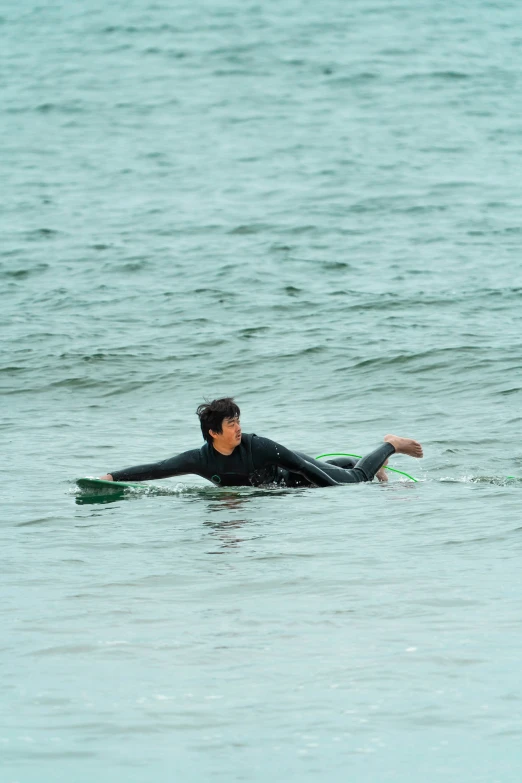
(315, 208)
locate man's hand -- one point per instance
(108, 477)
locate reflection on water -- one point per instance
(83, 500)
(226, 530)
(229, 500)
(226, 533)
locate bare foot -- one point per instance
(381, 474)
(405, 445)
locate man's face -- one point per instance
(231, 432)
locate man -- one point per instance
(230, 459)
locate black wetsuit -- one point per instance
(260, 461)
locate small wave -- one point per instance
(135, 265)
(252, 331)
(42, 233)
(357, 78)
(132, 29)
(250, 228)
(499, 481)
(20, 273)
(66, 107)
(448, 75)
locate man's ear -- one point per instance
(212, 433)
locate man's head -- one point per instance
(220, 418)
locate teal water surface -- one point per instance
(314, 208)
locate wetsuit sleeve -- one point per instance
(188, 462)
(267, 452)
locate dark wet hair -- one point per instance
(211, 415)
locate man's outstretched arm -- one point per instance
(174, 466)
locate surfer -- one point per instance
(230, 458)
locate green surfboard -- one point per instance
(101, 485)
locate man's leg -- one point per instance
(364, 469)
(367, 467)
(351, 462)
